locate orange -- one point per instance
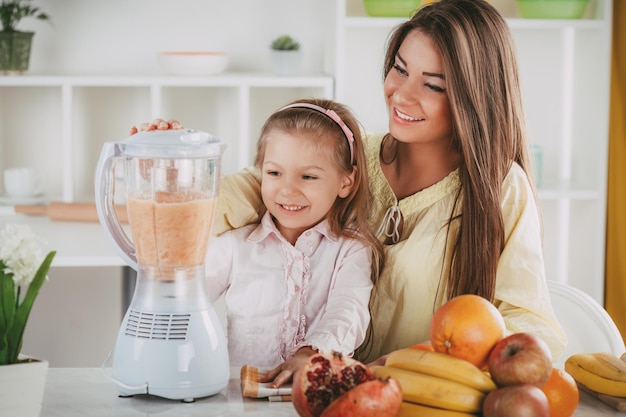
(562, 393)
(468, 327)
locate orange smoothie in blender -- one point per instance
(171, 230)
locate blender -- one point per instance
(171, 342)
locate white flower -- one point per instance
(20, 252)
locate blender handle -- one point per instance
(104, 204)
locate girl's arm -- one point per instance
(218, 265)
(342, 323)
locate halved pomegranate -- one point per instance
(324, 378)
(380, 397)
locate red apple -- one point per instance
(516, 401)
(520, 358)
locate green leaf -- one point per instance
(11, 12)
(16, 331)
(7, 311)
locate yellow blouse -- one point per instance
(408, 289)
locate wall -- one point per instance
(75, 319)
(125, 36)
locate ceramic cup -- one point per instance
(20, 182)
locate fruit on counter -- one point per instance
(516, 401)
(441, 365)
(417, 410)
(422, 346)
(601, 372)
(322, 379)
(433, 391)
(562, 393)
(520, 358)
(375, 398)
(467, 326)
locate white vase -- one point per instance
(22, 387)
(286, 62)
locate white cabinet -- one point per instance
(565, 75)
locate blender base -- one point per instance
(179, 356)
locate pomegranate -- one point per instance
(323, 378)
(379, 397)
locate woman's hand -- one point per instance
(157, 124)
(284, 372)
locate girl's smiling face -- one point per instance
(415, 92)
(299, 182)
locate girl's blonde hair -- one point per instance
(488, 128)
(349, 216)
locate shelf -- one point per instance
(555, 23)
(227, 79)
(514, 23)
(245, 97)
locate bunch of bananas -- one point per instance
(436, 384)
(600, 372)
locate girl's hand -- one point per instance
(157, 124)
(284, 372)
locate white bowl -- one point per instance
(194, 62)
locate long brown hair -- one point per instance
(488, 130)
(349, 216)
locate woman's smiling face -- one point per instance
(416, 95)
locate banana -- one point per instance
(603, 364)
(416, 410)
(596, 373)
(614, 363)
(442, 365)
(433, 391)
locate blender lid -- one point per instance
(182, 143)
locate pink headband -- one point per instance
(333, 115)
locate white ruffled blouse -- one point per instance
(280, 297)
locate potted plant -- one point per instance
(285, 55)
(14, 44)
(22, 273)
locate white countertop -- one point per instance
(82, 392)
(73, 392)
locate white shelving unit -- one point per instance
(565, 75)
(82, 112)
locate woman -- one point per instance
(451, 187)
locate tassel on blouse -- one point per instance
(390, 225)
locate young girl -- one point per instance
(299, 281)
